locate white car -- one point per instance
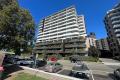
(80, 71)
(53, 67)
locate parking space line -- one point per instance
(92, 75)
(90, 72)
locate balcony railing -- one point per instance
(117, 35)
(74, 45)
(75, 51)
(116, 26)
(117, 30)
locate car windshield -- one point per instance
(76, 68)
(118, 69)
(57, 64)
(50, 63)
(80, 68)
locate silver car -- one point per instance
(53, 67)
(80, 71)
(117, 73)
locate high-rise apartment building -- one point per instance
(91, 40)
(61, 25)
(102, 44)
(112, 23)
(62, 32)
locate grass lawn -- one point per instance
(25, 76)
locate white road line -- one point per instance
(90, 72)
(102, 71)
(92, 75)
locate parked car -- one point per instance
(117, 73)
(40, 63)
(24, 62)
(80, 71)
(74, 58)
(53, 67)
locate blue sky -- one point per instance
(93, 10)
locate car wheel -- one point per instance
(21, 63)
(54, 70)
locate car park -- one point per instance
(117, 74)
(53, 67)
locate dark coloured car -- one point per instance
(117, 73)
(40, 63)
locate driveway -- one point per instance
(114, 64)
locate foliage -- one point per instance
(85, 58)
(25, 76)
(16, 27)
(94, 52)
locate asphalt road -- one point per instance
(102, 77)
(67, 73)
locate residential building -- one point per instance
(102, 44)
(112, 24)
(62, 32)
(66, 46)
(61, 25)
(91, 40)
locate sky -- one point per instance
(93, 10)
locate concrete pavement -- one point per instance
(107, 61)
(114, 64)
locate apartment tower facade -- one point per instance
(62, 32)
(61, 25)
(112, 23)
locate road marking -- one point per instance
(92, 75)
(90, 72)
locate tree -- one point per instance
(16, 27)
(94, 52)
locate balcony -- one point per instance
(75, 51)
(74, 45)
(117, 30)
(75, 40)
(117, 35)
(116, 26)
(116, 22)
(115, 17)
